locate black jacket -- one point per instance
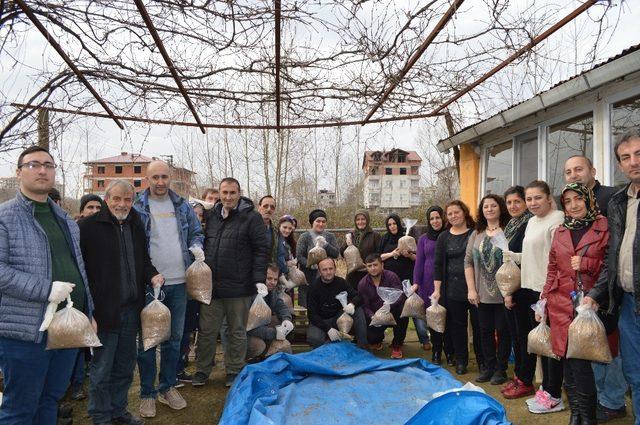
(603, 196)
(322, 303)
(236, 250)
(100, 242)
(607, 290)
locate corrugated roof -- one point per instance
(625, 52)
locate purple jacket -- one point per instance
(371, 301)
(423, 270)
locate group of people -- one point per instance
(124, 251)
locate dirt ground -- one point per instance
(205, 403)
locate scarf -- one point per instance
(433, 234)
(390, 238)
(515, 224)
(358, 235)
(590, 201)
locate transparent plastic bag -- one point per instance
(199, 279)
(155, 320)
(508, 276)
(352, 257)
(286, 299)
(414, 305)
(278, 346)
(587, 337)
(345, 321)
(408, 243)
(71, 328)
(539, 339)
(260, 312)
(384, 317)
(296, 277)
(436, 316)
(317, 253)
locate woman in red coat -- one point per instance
(575, 260)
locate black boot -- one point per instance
(587, 405)
(570, 389)
(436, 358)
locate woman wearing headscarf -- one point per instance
(318, 222)
(423, 280)
(401, 263)
(365, 239)
(575, 261)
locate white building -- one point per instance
(392, 179)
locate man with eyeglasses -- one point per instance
(267, 208)
(40, 262)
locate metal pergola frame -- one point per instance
(440, 110)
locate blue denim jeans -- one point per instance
(35, 380)
(77, 378)
(421, 330)
(610, 383)
(190, 325)
(111, 370)
(629, 326)
(175, 298)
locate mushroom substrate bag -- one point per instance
(260, 312)
(436, 316)
(588, 337)
(278, 346)
(414, 305)
(155, 320)
(199, 280)
(345, 321)
(539, 339)
(353, 259)
(508, 277)
(317, 253)
(295, 277)
(384, 317)
(71, 328)
(408, 243)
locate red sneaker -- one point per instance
(396, 353)
(510, 384)
(519, 390)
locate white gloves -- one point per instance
(349, 309)
(283, 330)
(197, 252)
(286, 282)
(60, 291)
(334, 335)
(262, 289)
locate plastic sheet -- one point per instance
(342, 384)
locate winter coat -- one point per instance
(236, 250)
(101, 246)
(562, 279)
(423, 269)
(607, 291)
(188, 223)
(25, 267)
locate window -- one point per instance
(624, 116)
(415, 198)
(403, 171)
(568, 138)
(415, 182)
(137, 169)
(498, 168)
(373, 183)
(100, 169)
(118, 169)
(100, 183)
(388, 184)
(527, 157)
(403, 184)
(374, 198)
(387, 171)
(137, 183)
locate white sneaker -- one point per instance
(148, 407)
(546, 404)
(173, 399)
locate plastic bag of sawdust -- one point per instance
(408, 243)
(384, 317)
(539, 339)
(295, 277)
(345, 321)
(587, 337)
(508, 276)
(260, 312)
(414, 305)
(71, 328)
(155, 320)
(317, 253)
(436, 316)
(352, 257)
(286, 298)
(199, 279)
(278, 346)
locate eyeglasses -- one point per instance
(35, 165)
(269, 206)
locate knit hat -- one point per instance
(313, 215)
(88, 198)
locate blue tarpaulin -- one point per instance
(340, 383)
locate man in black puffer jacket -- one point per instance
(236, 251)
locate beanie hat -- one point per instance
(88, 198)
(313, 215)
